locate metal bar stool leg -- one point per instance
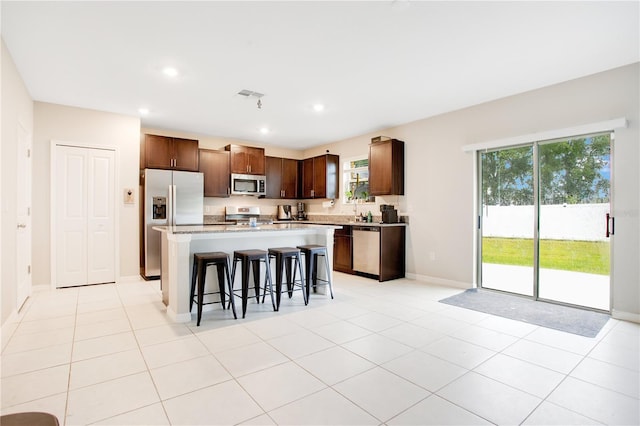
(193, 283)
(269, 281)
(201, 268)
(256, 278)
(326, 264)
(303, 286)
(220, 271)
(245, 286)
(230, 285)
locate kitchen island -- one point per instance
(180, 242)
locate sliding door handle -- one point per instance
(611, 224)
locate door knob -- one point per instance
(22, 225)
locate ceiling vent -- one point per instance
(250, 93)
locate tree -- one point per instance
(574, 171)
(507, 177)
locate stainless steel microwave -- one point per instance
(248, 184)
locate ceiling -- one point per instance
(373, 65)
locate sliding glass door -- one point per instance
(575, 182)
(543, 222)
(507, 243)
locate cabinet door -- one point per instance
(332, 165)
(158, 152)
(255, 160)
(289, 178)
(342, 250)
(185, 154)
(274, 177)
(307, 178)
(386, 168)
(320, 177)
(392, 252)
(380, 169)
(215, 166)
(238, 160)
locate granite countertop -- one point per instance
(336, 223)
(226, 228)
(338, 220)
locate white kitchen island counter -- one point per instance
(180, 242)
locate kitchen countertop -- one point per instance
(336, 223)
(226, 228)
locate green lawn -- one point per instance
(567, 255)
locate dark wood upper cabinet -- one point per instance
(307, 178)
(386, 168)
(246, 159)
(163, 152)
(215, 167)
(320, 176)
(282, 178)
(289, 178)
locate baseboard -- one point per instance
(625, 316)
(439, 281)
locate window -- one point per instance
(356, 180)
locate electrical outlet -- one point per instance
(432, 256)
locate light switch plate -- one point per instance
(129, 196)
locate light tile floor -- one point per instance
(379, 353)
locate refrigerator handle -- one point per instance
(172, 205)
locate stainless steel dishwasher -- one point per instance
(366, 249)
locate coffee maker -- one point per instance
(389, 213)
(284, 212)
(301, 215)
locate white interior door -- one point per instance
(85, 216)
(23, 215)
(100, 217)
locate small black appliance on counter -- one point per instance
(389, 213)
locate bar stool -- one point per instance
(32, 418)
(200, 263)
(252, 258)
(311, 253)
(287, 258)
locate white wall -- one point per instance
(69, 124)
(440, 176)
(17, 109)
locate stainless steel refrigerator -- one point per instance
(170, 198)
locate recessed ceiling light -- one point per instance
(143, 111)
(170, 72)
(318, 107)
(264, 130)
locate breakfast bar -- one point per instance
(179, 243)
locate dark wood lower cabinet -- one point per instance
(342, 250)
(392, 252)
